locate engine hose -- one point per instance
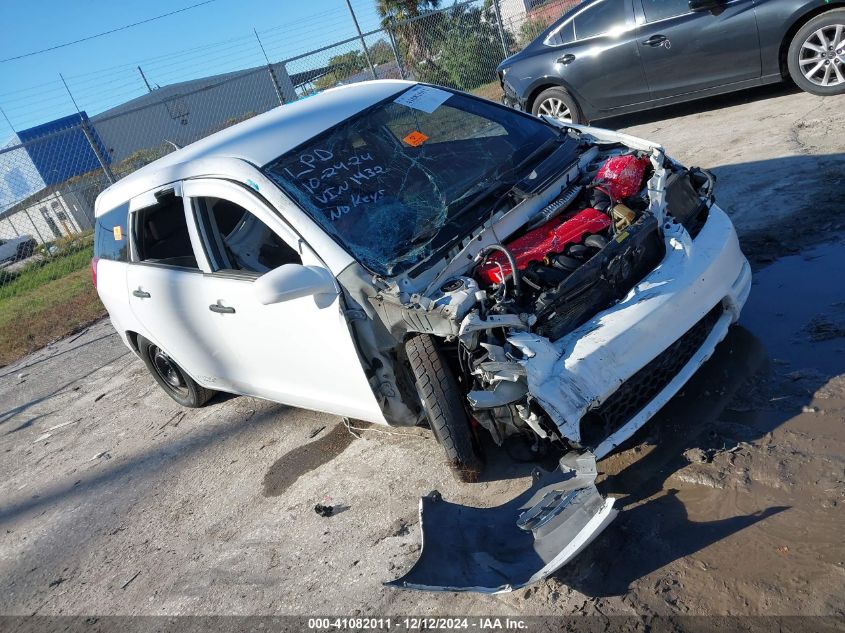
(482, 255)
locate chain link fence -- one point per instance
(51, 174)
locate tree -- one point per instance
(530, 29)
(342, 66)
(418, 39)
(470, 49)
(381, 52)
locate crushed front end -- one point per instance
(584, 304)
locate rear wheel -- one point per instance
(172, 378)
(442, 402)
(559, 104)
(816, 56)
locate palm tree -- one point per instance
(403, 9)
(416, 38)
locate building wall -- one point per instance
(19, 177)
(513, 12)
(183, 118)
(48, 219)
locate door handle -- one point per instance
(221, 309)
(657, 40)
(566, 59)
(141, 294)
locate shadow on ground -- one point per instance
(698, 106)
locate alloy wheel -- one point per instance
(556, 108)
(822, 56)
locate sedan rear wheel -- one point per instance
(817, 55)
(171, 377)
(559, 104)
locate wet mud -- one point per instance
(739, 483)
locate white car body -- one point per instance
(302, 351)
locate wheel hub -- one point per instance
(556, 108)
(168, 370)
(822, 56)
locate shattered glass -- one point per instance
(389, 184)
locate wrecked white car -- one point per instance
(409, 255)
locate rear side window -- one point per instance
(600, 18)
(111, 238)
(161, 233)
(562, 35)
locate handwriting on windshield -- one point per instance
(335, 182)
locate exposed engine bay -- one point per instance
(579, 253)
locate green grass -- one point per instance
(47, 300)
(33, 318)
(42, 272)
(491, 91)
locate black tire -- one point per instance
(800, 58)
(546, 100)
(442, 402)
(172, 378)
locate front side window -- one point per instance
(161, 233)
(392, 184)
(111, 236)
(237, 240)
(602, 17)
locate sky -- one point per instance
(202, 41)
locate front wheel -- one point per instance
(442, 402)
(172, 378)
(816, 56)
(559, 104)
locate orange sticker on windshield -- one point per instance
(118, 234)
(415, 139)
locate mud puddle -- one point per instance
(740, 480)
(303, 459)
(797, 310)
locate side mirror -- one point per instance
(292, 281)
(706, 5)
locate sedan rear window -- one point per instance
(389, 184)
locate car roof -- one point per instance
(257, 140)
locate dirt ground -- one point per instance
(114, 500)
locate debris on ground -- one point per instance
(126, 584)
(324, 511)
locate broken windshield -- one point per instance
(390, 183)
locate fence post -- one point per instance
(389, 28)
(12, 224)
(83, 123)
(497, 10)
(270, 70)
(361, 37)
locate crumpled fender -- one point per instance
(496, 550)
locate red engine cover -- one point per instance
(622, 175)
(551, 238)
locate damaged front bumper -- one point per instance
(496, 550)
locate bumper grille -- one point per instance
(635, 393)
